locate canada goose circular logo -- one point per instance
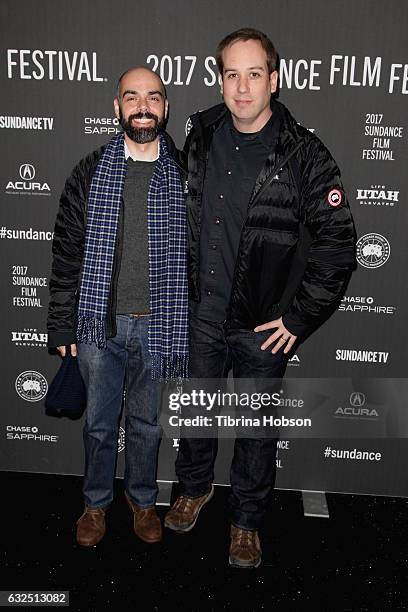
(357, 399)
(373, 250)
(335, 198)
(27, 172)
(31, 386)
(121, 440)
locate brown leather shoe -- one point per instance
(184, 513)
(146, 523)
(91, 526)
(245, 549)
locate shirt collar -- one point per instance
(129, 154)
(268, 135)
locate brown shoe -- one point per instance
(146, 523)
(91, 526)
(245, 549)
(183, 515)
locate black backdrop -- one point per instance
(344, 75)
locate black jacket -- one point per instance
(68, 250)
(297, 246)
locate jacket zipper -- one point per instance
(207, 155)
(276, 170)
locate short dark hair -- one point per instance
(245, 34)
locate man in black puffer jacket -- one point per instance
(118, 285)
(271, 248)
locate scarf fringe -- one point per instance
(169, 368)
(91, 330)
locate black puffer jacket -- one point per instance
(68, 250)
(297, 246)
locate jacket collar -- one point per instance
(212, 117)
(173, 151)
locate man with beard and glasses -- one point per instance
(118, 297)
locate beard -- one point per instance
(141, 135)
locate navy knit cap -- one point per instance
(66, 394)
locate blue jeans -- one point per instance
(124, 363)
(213, 351)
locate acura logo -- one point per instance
(27, 172)
(357, 399)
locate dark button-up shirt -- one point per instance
(234, 163)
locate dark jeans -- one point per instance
(124, 363)
(213, 351)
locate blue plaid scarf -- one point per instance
(168, 327)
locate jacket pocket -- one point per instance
(262, 272)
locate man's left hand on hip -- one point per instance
(282, 335)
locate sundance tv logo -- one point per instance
(363, 356)
(16, 122)
(26, 185)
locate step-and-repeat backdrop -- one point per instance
(343, 75)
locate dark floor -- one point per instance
(355, 560)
